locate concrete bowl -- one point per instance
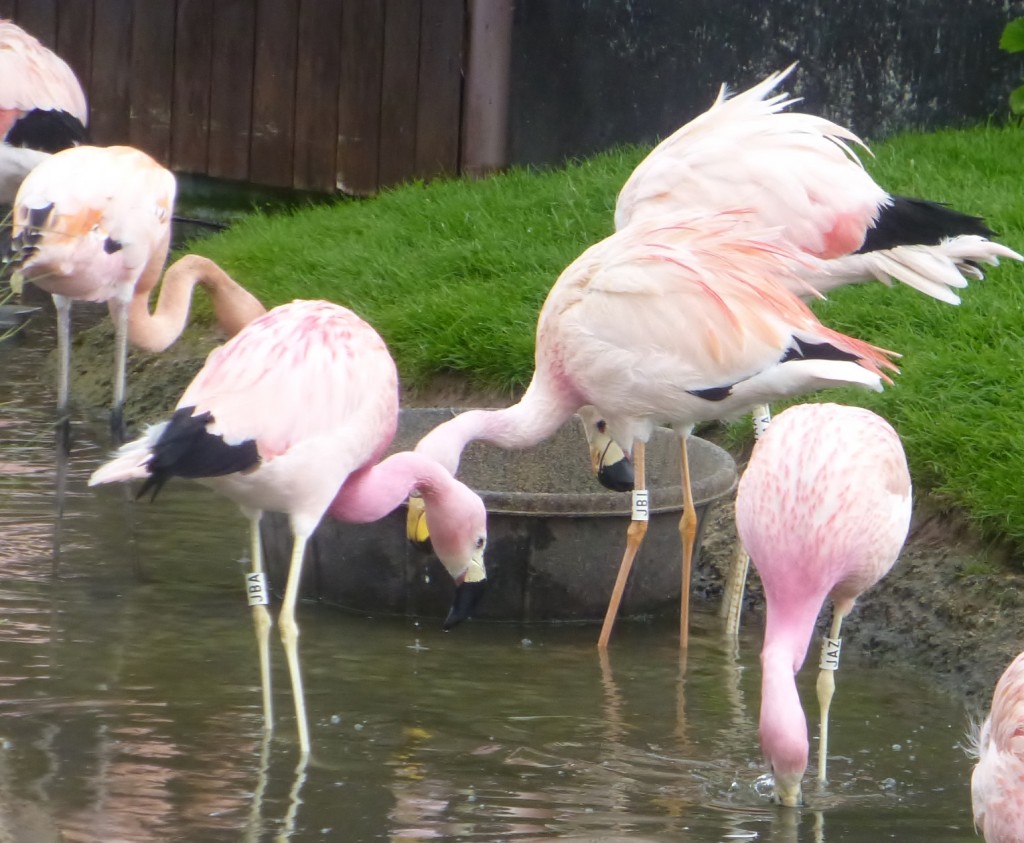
(555, 537)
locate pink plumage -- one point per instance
(823, 510)
(292, 416)
(33, 77)
(42, 106)
(801, 173)
(668, 323)
(997, 785)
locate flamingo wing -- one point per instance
(672, 320)
(789, 169)
(33, 77)
(304, 371)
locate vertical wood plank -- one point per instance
(362, 57)
(399, 91)
(109, 101)
(152, 78)
(231, 80)
(485, 100)
(274, 103)
(190, 118)
(74, 39)
(39, 18)
(439, 104)
(316, 99)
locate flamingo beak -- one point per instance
(416, 530)
(611, 466)
(787, 790)
(469, 588)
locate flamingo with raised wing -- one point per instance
(667, 324)
(800, 172)
(292, 416)
(823, 509)
(94, 224)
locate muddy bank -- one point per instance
(949, 610)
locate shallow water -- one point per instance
(130, 706)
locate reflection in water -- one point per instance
(129, 704)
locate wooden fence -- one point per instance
(311, 94)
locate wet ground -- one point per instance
(130, 710)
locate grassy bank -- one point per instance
(453, 275)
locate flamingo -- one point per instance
(996, 791)
(667, 322)
(94, 224)
(292, 415)
(42, 106)
(800, 172)
(824, 509)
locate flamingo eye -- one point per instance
(602, 425)
(480, 541)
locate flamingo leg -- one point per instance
(736, 583)
(826, 687)
(62, 304)
(290, 633)
(256, 589)
(735, 586)
(119, 313)
(634, 538)
(687, 532)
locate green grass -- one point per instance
(453, 275)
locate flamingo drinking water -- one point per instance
(823, 509)
(292, 415)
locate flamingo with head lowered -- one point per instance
(293, 416)
(823, 508)
(94, 224)
(668, 322)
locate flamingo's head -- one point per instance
(454, 525)
(611, 466)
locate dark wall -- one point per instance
(587, 74)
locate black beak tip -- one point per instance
(467, 596)
(426, 545)
(617, 476)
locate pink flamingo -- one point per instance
(667, 324)
(94, 224)
(42, 106)
(800, 172)
(996, 785)
(823, 509)
(292, 415)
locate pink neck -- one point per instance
(536, 417)
(783, 727)
(371, 493)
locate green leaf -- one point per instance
(1012, 39)
(1017, 100)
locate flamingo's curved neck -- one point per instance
(372, 492)
(539, 413)
(234, 307)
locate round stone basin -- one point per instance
(555, 536)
